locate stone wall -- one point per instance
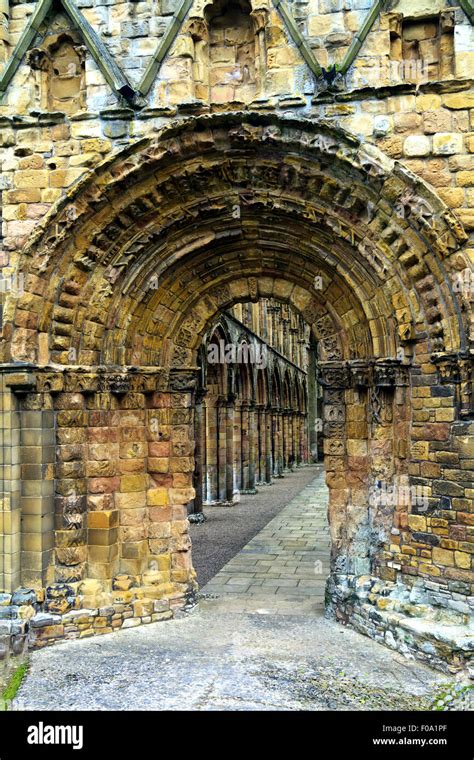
(150, 181)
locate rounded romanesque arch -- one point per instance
(365, 248)
(127, 275)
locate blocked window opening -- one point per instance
(60, 74)
(231, 52)
(422, 49)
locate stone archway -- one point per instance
(124, 279)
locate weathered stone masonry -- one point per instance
(172, 156)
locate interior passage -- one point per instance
(284, 568)
(227, 530)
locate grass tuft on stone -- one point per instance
(13, 684)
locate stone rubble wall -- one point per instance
(423, 622)
(34, 619)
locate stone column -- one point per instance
(137, 476)
(244, 448)
(312, 402)
(303, 439)
(261, 443)
(222, 449)
(4, 35)
(73, 468)
(229, 450)
(268, 446)
(279, 443)
(200, 456)
(212, 450)
(260, 17)
(170, 491)
(335, 381)
(252, 449)
(37, 457)
(274, 443)
(10, 495)
(385, 478)
(286, 438)
(294, 438)
(237, 442)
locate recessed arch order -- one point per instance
(133, 264)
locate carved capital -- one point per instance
(361, 374)
(334, 375)
(447, 21)
(260, 19)
(197, 28)
(385, 373)
(448, 367)
(182, 381)
(395, 21)
(118, 383)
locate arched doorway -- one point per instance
(217, 211)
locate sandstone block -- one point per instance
(446, 144)
(417, 145)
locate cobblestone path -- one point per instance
(258, 640)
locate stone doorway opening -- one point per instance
(255, 406)
(101, 363)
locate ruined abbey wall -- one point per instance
(358, 162)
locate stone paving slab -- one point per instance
(285, 566)
(227, 530)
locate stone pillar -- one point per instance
(137, 477)
(212, 450)
(381, 458)
(312, 402)
(200, 456)
(73, 468)
(268, 446)
(303, 439)
(274, 443)
(335, 380)
(260, 17)
(4, 35)
(181, 492)
(252, 449)
(237, 443)
(10, 512)
(244, 448)
(295, 439)
(229, 451)
(287, 438)
(170, 490)
(279, 443)
(107, 498)
(261, 443)
(222, 450)
(36, 466)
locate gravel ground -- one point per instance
(228, 529)
(224, 656)
(216, 661)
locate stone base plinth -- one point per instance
(411, 621)
(30, 619)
